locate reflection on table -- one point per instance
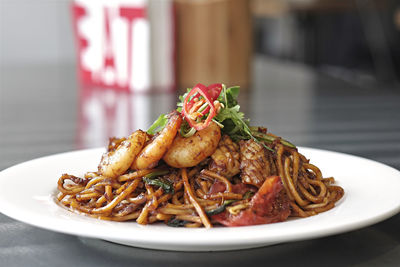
(105, 113)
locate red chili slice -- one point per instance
(209, 94)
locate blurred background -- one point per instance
(350, 38)
(73, 73)
(355, 40)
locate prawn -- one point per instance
(155, 150)
(190, 151)
(119, 158)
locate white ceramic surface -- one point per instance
(371, 195)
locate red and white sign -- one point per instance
(125, 44)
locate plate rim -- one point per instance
(201, 244)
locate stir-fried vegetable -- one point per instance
(161, 182)
(176, 222)
(269, 138)
(158, 125)
(220, 208)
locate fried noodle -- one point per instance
(192, 200)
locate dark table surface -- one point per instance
(43, 112)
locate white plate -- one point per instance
(371, 195)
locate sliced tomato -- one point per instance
(240, 188)
(214, 90)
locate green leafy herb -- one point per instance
(248, 195)
(155, 174)
(220, 208)
(158, 125)
(268, 138)
(231, 95)
(176, 222)
(235, 124)
(161, 182)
